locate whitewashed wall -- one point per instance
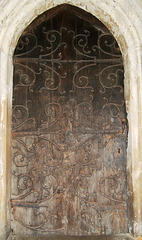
(124, 19)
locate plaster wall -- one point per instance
(124, 20)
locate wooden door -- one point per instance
(69, 128)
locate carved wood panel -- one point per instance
(69, 128)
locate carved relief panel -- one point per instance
(69, 128)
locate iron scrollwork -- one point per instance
(67, 111)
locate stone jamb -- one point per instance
(123, 20)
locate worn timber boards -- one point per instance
(69, 128)
(102, 237)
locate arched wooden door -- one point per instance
(69, 128)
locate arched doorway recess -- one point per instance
(123, 19)
(69, 128)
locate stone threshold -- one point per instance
(101, 237)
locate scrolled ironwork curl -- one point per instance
(27, 76)
(26, 44)
(109, 76)
(20, 115)
(52, 109)
(80, 44)
(24, 186)
(52, 79)
(80, 80)
(20, 160)
(50, 185)
(42, 227)
(53, 156)
(108, 45)
(84, 108)
(53, 38)
(112, 186)
(112, 108)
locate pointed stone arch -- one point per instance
(124, 21)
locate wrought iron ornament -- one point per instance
(69, 134)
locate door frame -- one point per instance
(125, 26)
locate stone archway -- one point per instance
(124, 21)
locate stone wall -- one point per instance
(124, 20)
